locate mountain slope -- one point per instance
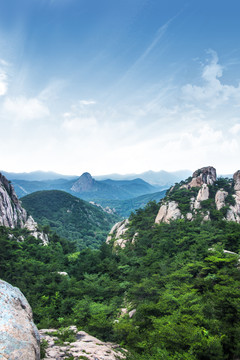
(125, 207)
(70, 217)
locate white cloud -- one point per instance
(235, 129)
(213, 92)
(76, 125)
(3, 77)
(87, 102)
(3, 83)
(22, 108)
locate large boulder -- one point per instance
(19, 338)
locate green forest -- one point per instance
(182, 278)
(70, 217)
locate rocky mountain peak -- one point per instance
(84, 183)
(236, 179)
(191, 202)
(206, 175)
(11, 212)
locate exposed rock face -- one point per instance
(203, 194)
(206, 175)
(233, 213)
(11, 212)
(168, 212)
(220, 199)
(84, 184)
(85, 347)
(32, 226)
(13, 215)
(236, 179)
(117, 232)
(19, 338)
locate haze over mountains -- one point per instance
(162, 177)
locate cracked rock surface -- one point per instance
(85, 347)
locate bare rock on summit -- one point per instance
(236, 179)
(19, 338)
(206, 175)
(84, 184)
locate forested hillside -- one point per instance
(181, 278)
(70, 217)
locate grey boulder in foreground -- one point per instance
(19, 338)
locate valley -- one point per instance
(164, 287)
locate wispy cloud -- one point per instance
(159, 34)
(213, 92)
(3, 83)
(3, 77)
(87, 102)
(25, 109)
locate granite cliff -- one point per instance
(12, 214)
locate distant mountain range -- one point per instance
(87, 188)
(160, 178)
(36, 176)
(157, 178)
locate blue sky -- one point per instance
(119, 86)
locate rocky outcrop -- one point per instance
(167, 212)
(203, 194)
(32, 226)
(236, 179)
(233, 214)
(220, 199)
(19, 338)
(117, 233)
(13, 215)
(206, 175)
(11, 212)
(106, 209)
(85, 183)
(85, 347)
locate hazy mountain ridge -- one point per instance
(159, 178)
(87, 188)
